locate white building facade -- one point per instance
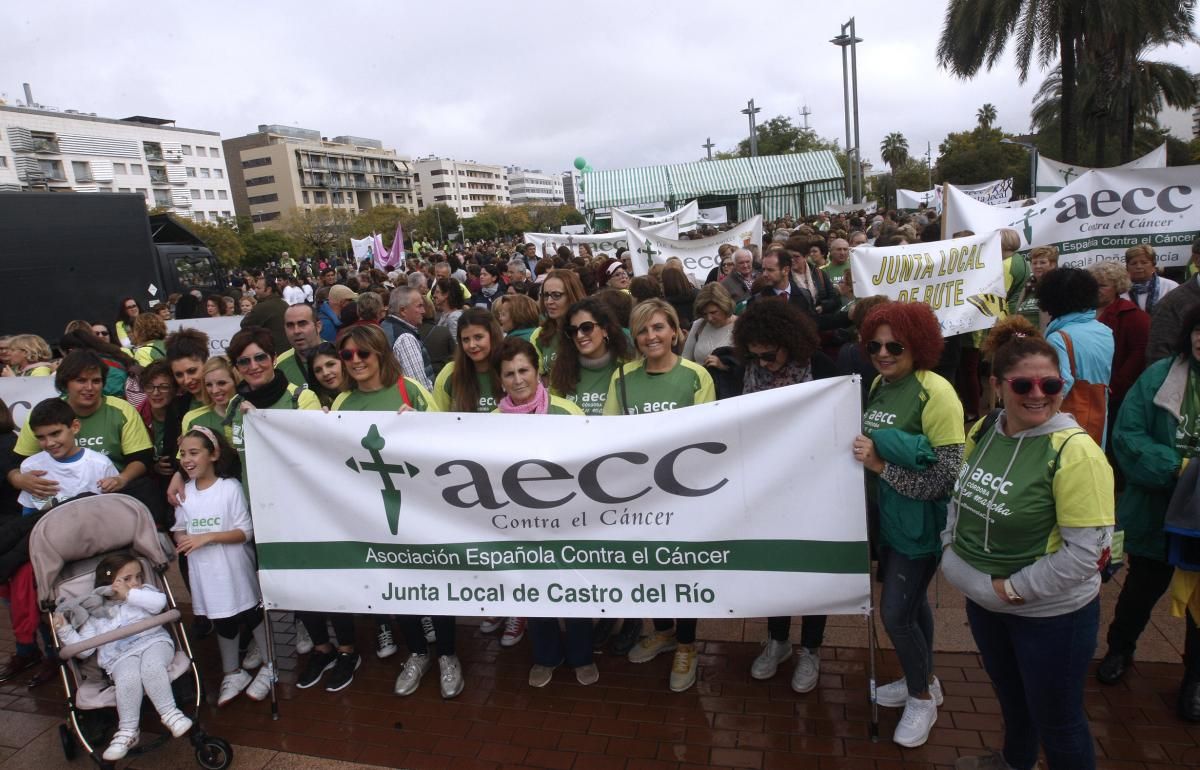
(465, 186)
(528, 186)
(181, 170)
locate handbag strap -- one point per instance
(1070, 353)
(403, 389)
(624, 394)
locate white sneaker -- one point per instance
(894, 695)
(410, 676)
(122, 742)
(253, 657)
(808, 671)
(916, 722)
(767, 662)
(452, 678)
(176, 722)
(232, 686)
(260, 688)
(490, 625)
(427, 629)
(385, 643)
(514, 632)
(304, 643)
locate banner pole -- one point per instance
(871, 648)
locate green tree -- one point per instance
(971, 157)
(975, 33)
(986, 115)
(263, 246)
(435, 223)
(320, 230)
(779, 136)
(221, 239)
(909, 175)
(894, 150)
(382, 220)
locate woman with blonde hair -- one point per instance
(149, 335)
(713, 327)
(1148, 287)
(28, 356)
(1130, 326)
(220, 386)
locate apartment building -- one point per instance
(181, 170)
(282, 168)
(465, 186)
(573, 189)
(532, 186)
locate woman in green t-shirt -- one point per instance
(590, 348)
(912, 446)
(325, 374)
(220, 387)
(471, 382)
(560, 290)
(659, 381)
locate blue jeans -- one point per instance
(907, 618)
(548, 647)
(1038, 667)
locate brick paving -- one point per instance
(629, 720)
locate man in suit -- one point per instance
(777, 268)
(738, 282)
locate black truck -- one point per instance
(68, 256)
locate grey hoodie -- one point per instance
(1057, 583)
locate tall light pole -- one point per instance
(751, 111)
(708, 145)
(847, 39)
(1033, 158)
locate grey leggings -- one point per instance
(143, 672)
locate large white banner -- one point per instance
(853, 208)
(911, 199)
(995, 193)
(24, 393)
(962, 279)
(686, 217)
(1053, 175)
(608, 243)
(699, 257)
(662, 515)
(1099, 215)
(718, 215)
(220, 330)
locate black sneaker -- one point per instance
(601, 631)
(318, 663)
(622, 641)
(1113, 667)
(343, 671)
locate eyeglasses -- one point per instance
(557, 296)
(100, 333)
(893, 348)
(586, 328)
(131, 307)
(769, 355)
(726, 264)
(159, 388)
(1023, 386)
(349, 354)
(257, 358)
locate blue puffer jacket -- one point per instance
(330, 323)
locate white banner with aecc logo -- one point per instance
(720, 510)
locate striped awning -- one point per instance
(682, 182)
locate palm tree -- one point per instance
(894, 150)
(986, 115)
(976, 32)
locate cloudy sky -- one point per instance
(531, 82)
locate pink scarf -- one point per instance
(539, 404)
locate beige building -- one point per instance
(281, 168)
(465, 186)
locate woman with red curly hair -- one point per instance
(912, 448)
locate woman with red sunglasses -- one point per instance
(1028, 531)
(912, 447)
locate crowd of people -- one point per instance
(996, 457)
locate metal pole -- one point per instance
(1033, 163)
(846, 106)
(854, 88)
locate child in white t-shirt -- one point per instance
(213, 528)
(75, 469)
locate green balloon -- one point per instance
(580, 163)
(587, 169)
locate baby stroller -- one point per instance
(64, 548)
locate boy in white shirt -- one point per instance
(75, 469)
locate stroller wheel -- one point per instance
(69, 746)
(214, 754)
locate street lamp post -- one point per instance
(1033, 158)
(751, 111)
(848, 39)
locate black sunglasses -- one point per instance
(587, 327)
(894, 348)
(752, 357)
(349, 354)
(257, 358)
(1023, 386)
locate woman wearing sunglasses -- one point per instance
(781, 347)
(591, 348)
(560, 290)
(1029, 528)
(912, 446)
(1155, 435)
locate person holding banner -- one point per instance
(326, 377)
(781, 347)
(471, 381)
(560, 290)
(1027, 534)
(591, 349)
(659, 381)
(220, 386)
(912, 446)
